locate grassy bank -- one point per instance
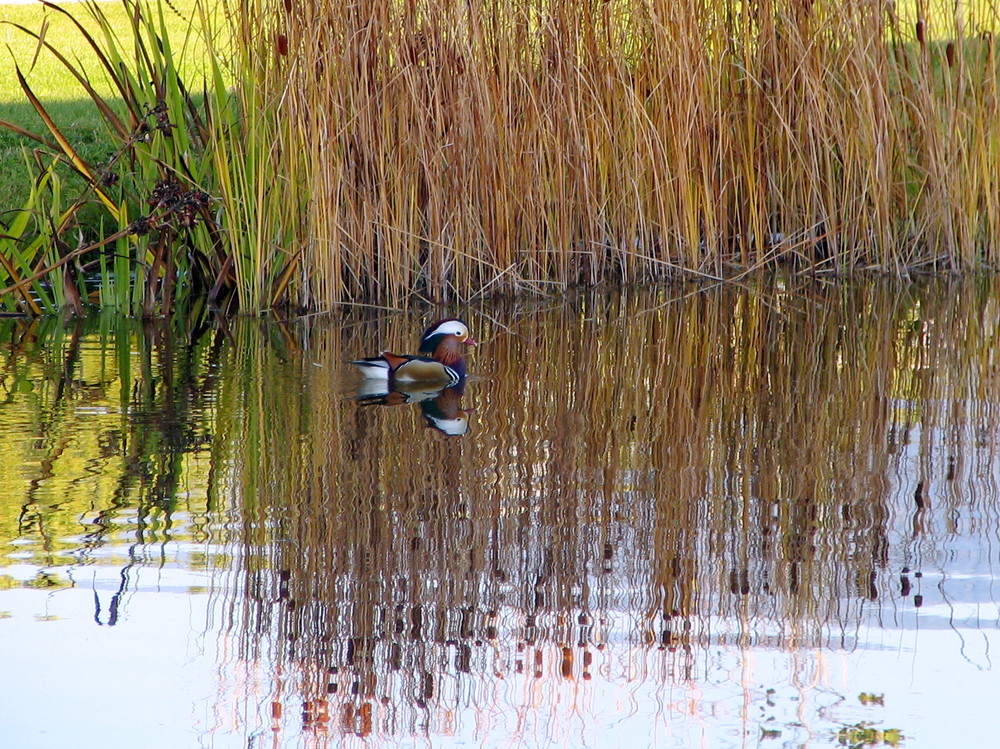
(449, 150)
(124, 187)
(59, 90)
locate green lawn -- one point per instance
(58, 90)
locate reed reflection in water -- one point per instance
(653, 493)
(716, 517)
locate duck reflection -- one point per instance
(441, 407)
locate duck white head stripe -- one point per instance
(449, 327)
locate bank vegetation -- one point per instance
(331, 153)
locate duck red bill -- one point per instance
(470, 342)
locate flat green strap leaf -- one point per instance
(41, 42)
(67, 148)
(19, 284)
(68, 257)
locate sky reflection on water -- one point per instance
(741, 517)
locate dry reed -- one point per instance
(448, 148)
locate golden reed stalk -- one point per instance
(450, 148)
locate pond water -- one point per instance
(751, 516)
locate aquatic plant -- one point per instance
(171, 173)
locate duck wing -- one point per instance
(402, 369)
(421, 369)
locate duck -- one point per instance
(438, 359)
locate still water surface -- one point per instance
(750, 517)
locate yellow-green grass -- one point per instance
(56, 87)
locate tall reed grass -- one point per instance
(452, 149)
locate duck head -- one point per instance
(443, 342)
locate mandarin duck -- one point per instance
(438, 360)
